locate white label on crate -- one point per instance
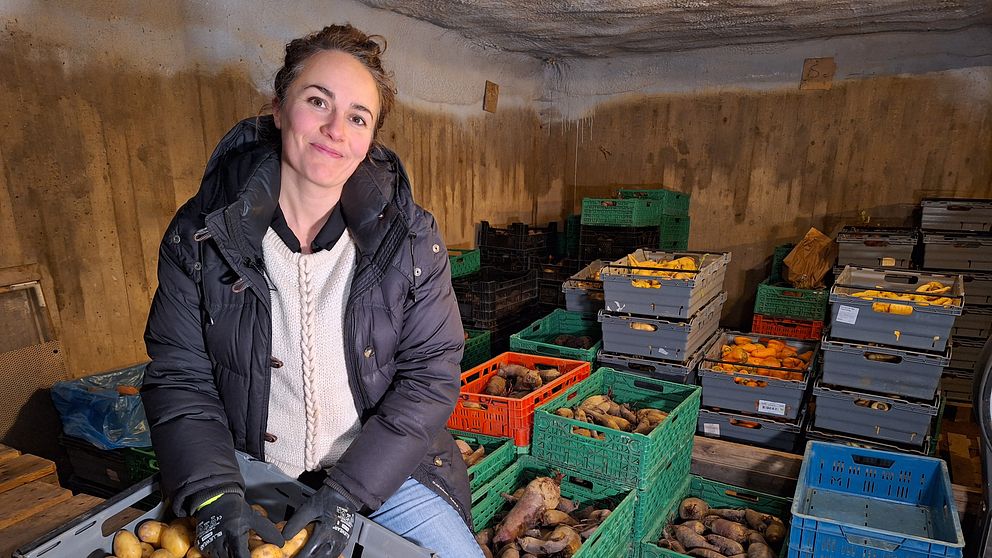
(771, 407)
(619, 306)
(888, 262)
(662, 351)
(847, 315)
(711, 429)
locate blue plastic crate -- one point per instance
(858, 502)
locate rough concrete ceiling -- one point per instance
(591, 28)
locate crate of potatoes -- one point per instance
(660, 337)
(904, 309)
(663, 284)
(764, 375)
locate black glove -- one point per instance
(334, 515)
(222, 528)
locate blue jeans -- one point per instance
(419, 515)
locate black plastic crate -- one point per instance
(509, 259)
(518, 236)
(491, 294)
(613, 243)
(551, 275)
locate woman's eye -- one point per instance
(358, 120)
(317, 102)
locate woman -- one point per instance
(305, 315)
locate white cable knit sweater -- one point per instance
(311, 409)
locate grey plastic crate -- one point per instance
(583, 292)
(957, 214)
(977, 288)
(961, 251)
(958, 385)
(876, 247)
(836, 438)
(673, 298)
(773, 397)
(781, 435)
(855, 319)
(975, 321)
(903, 422)
(266, 485)
(660, 338)
(964, 352)
(884, 370)
(678, 372)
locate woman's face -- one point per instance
(327, 120)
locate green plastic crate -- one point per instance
(573, 225)
(464, 262)
(668, 480)
(612, 539)
(141, 463)
(536, 338)
(623, 458)
(782, 301)
(500, 452)
(781, 251)
(611, 212)
(476, 348)
(674, 227)
(675, 203)
(717, 495)
(677, 245)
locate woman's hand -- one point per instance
(222, 527)
(334, 515)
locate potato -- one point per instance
(194, 553)
(176, 538)
(126, 545)
(294, 544)
(267, 551)
(151, 531)
(162, 553)
(146, 549)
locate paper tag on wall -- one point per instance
(847, 315)
(711, 429)
(771, 407)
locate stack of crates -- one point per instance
(649, 467)
(465, 263)
(656, 322)
(755, 389)
(613, 227)
(500, 296)
(783, 310)
(957, 240)
(888, 343)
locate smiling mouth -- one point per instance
(326, 150)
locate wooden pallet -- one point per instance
(31, 500)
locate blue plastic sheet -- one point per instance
(92, 409)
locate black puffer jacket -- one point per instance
(206, 390)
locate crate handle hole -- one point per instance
(571, 396)
(905, 279)
(642, 326)
(958, 208)
(793, 294)
(873, 461)
(646, 385)
(748, 497)
(876, 243)
(640, 367)
(882, 357)
(580, 482)
(50, 548)
(745, 424)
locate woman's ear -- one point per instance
(275, 113)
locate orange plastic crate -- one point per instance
(504, 416)
(786, 327)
